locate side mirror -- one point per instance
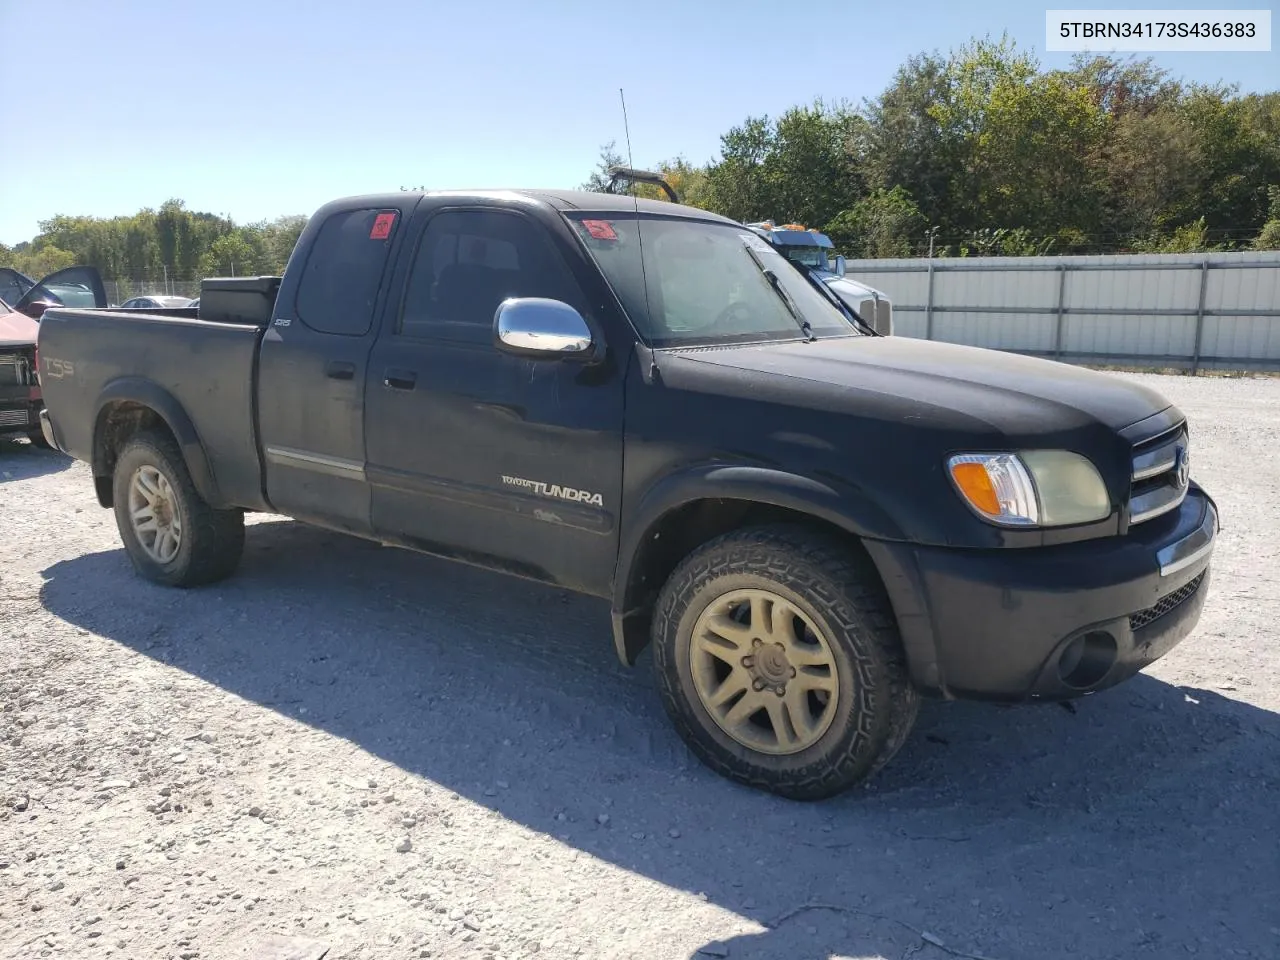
(35, 308)
(840, 266)
(538, 327)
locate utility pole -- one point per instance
(933, 232)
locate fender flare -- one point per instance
(845, 509)
(154, 397)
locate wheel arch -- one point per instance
(131, 404)
(685, 510)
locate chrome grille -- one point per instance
(1166, 605)
(867, 311)
(1161, 473)
(16, 370)
(878, 313)
(15, 418)
(884, 316)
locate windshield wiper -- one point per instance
(781, 291)
(811, 275)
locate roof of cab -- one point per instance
(563, 200)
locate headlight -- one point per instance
(1033, 488)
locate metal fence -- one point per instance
(1186, 311)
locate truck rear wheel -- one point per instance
(171, 534)
(779, 661)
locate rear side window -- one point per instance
(340, 282)
(468, 262)
(11, 288)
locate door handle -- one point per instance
(340, 370)
(400, 379)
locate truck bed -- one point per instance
(207, 368)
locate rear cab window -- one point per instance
(343, 273)
(468, 262)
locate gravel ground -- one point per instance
(358, 749)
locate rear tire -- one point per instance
(801, 623)
(172, 536)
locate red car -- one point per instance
(23, 302)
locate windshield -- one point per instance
(815, 256)
(68, 294)
(704, 282)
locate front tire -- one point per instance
(172, 536)
(36, 438)
(780, 663)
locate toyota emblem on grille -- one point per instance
(1183, 470)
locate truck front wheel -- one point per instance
(171, 534)
(779, 661)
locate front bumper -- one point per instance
(1051, 622)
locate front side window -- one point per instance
(468, 262)
(705, 282)
(343, 272)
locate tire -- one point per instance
(834, 592)
(210, 541)
(36, 437)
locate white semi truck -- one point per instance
(816, 251)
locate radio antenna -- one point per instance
(631, 161)
(644, 280)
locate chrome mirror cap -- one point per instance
(536, 326)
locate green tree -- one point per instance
(36, 260)
(229, 255)
(885, 223)
(738, 182)
(598, 182)
(905, 143)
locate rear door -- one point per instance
(312, 366)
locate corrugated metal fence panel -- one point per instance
(1218, 309)
(1001, 331)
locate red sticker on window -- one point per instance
(600, 229)
(382, 226)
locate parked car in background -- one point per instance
(20, 398)
(156, 302)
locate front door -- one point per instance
(505, 461)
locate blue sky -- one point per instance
(257, 109)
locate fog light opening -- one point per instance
(1086, 660)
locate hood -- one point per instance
(848, 289)
(904, 379)
(17, 330)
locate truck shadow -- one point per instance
(22, 460)
(1141, 824)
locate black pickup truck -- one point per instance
(811, 524)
